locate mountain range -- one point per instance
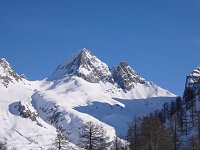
(82, 88)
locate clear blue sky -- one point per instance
(160, 39)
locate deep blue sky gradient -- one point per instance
(160, 39)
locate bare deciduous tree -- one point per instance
(60, 141)
(93, 137)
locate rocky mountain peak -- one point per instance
(90, 68)
(85, 65)
(7, 74)
(193, 77)
(192, 85)
(126, 77)
(195, 72)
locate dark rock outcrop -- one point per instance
(192, 86)
(126, 77)
(25, 112)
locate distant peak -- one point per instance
(85, 53)
(193, 77)
(126, 77)
(85, 65)
(123, 64)
(7, 74)
(196, 72)
(4, 63)
(85, 50)
(3, 59)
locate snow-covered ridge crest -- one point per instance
(90, 68)
(7, 74)
(85, 65)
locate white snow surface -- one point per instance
(67, 104)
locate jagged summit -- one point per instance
(192, 85)
(126, 77)
(85, 65)
(193, 77)
(196, 72)
(7, 74)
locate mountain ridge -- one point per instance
(7, 73)
(30, 110)
(89, 67)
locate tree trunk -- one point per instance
(199, 127)
(59, 144)
(90, 138)
(175, 138)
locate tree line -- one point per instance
(174, 127)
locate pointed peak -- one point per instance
(195, 72)
(124, 66)
(77, 55)
(7, 74)
(83, 64)
(85, 53)
(123, 63)
(3, 59)
(193, 77)
(4, 63)
(85, 50)
(126, 77)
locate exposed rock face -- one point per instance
(84, 65)
(193, 78)
(88, 67)
(25, 112)
(192, 86)
(126, 77)
(7, 74)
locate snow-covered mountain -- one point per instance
(81, 89)
(85, 65)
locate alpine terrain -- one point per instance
(82, 89)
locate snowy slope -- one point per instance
(19, 132)
(81, 89)
(85, 88)
(92, 101)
